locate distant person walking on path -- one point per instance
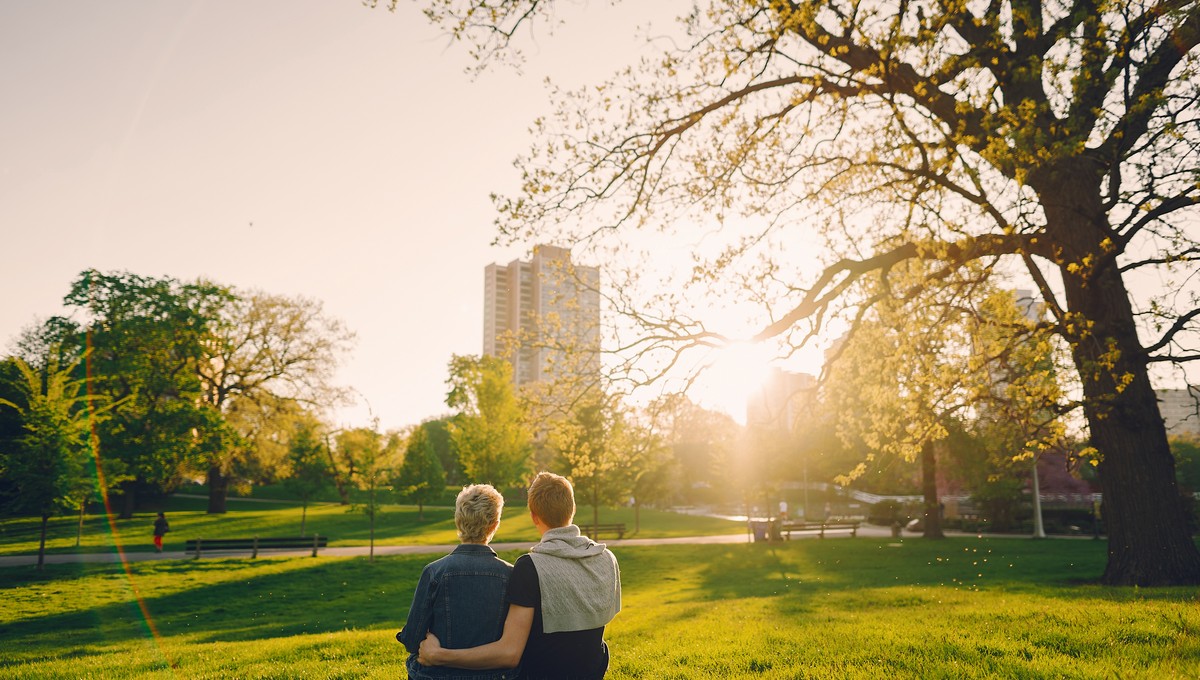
(460, 597)
(160, 529)
(561, 596)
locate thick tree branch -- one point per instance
(837, 278)
(1180, 324)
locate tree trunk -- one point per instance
(1148, 539)
(303, 517)
(1039, 530)
(339, 480)
(128, 499)
(42, 542)
(79, 531)
(218, 490)
(933, 510)
(371, 555)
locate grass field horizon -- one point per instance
(970, 607)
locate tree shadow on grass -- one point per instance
(259, 599)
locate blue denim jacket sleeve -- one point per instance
(420, 613)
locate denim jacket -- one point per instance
(460, 599)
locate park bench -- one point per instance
(203, 545)
(593, 531)
(821, 528)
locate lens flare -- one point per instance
(110, 517)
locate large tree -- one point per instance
(145, 335)
(263, 355)
(1057, 137)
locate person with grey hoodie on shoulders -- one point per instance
(560, 596)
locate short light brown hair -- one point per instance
(552, 498)
(477, 513)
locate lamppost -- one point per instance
(1039, 530)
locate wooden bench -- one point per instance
(819, 527)
(202, 545)
(593, 531)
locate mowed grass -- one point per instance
(834, 608)
(345, 526)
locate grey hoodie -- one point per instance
(579, 580)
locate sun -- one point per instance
(731, 375)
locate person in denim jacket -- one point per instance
(460, 597)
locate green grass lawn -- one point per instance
(838, 608)
(395, 525)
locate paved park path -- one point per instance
(360, 550)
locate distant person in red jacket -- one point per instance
(160, 529)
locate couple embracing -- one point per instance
(476, 616)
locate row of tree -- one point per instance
(977, 387)
(146, 382)
(669, 451)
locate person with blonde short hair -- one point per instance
(460, 597)
(560, 596)
(477, 513)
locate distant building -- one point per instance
(834, 349)
(1180, 409)
(1030, 306)
(780, 402)
(543, 315)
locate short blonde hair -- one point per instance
(477, 513)
(552, 498)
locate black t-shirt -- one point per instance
(553, 656)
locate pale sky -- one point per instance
(315, 148)
(321, 149)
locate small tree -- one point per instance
(1019, 398)
(49, 462)
(421, 477)
(593, 447)
(490, 432)
(649, 467)
(438, 431)
(373, 456)
(310, 473)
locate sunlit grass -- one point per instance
(844, 608)
(345, 526)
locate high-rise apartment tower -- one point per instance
(1180, 409)
(543, 315)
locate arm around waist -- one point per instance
(503, 653)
